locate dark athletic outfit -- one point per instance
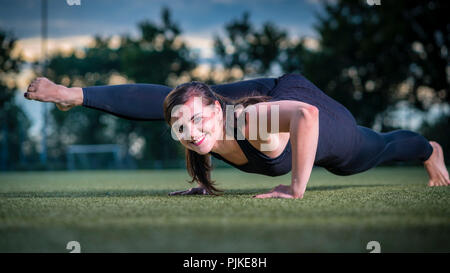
(344, 148)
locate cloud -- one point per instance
(31, 48)
(205, 46)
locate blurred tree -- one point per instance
(371, 57)
(250, 50)
(157, 56)
(14, 123)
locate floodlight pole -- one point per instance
(43, 155)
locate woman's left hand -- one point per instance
(280, 191)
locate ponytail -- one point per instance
(199, 168)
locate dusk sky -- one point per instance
(73, 26)
(196, 17)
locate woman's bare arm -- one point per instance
(304, 138)
(301, 120)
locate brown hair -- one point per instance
(199, 166)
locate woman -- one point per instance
(314, 129)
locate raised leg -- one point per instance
(130, 101)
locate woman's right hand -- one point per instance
(191, 191)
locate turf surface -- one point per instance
(129, 211)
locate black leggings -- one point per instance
(145, 101)
(376, 148)
(367, 149)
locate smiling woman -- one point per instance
(313, 128)
(203, 132)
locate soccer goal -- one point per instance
(99, 156)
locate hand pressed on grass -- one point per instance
(280, 191)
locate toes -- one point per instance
(31, 88)
(438, 181)
(30, 95)
(33, 85)
(434, 182)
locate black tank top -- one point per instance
(260, 163)
(337, 128)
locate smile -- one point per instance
(197, 143)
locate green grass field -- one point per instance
(129, 211)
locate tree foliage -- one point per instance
(251, 50)
(371, 57)
(14, 123)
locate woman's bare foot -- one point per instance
(436, 168)
(42, 89)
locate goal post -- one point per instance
(89, 156)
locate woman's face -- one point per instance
(197, 126)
